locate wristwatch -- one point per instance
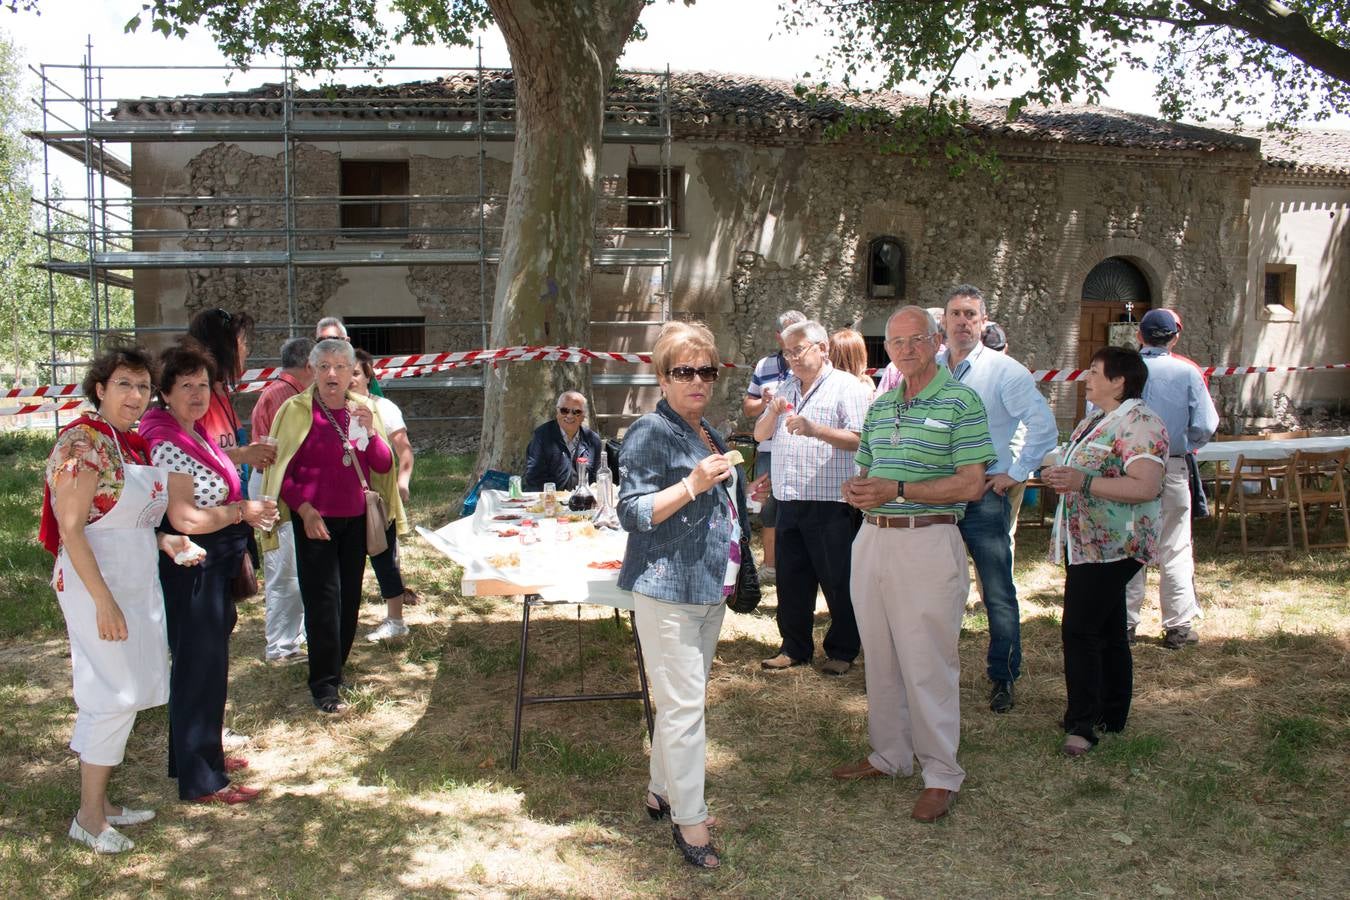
(900, 490)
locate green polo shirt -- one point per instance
(929, 437)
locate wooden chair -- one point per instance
(1319, 480)
(1271, 497)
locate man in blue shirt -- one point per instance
(1023, 430)
(1176, 391)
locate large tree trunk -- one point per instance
(563, 53)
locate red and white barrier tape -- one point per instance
(254, 380)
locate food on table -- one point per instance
(505, 561)
(507, 532)
(586, 530)
(505, 517)
(735, 458)
(611, 564)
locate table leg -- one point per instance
(642, 674)
(520, 677)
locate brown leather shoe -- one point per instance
(781, 661)
(857, 770)
(933, 804)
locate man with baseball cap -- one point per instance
(1176, 392)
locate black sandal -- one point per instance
(696, 856)
(330, 704)
(658, 812)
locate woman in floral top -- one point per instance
(102, 502)
(1106, 529)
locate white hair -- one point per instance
(930, 323)
(789, 317)
(558, 402)
(330, 322)
(330, 346)
(812, 331)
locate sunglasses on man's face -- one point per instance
(571, 412)
(685, 374)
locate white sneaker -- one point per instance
(767, 575)
(131, 816)
(388, 630)
(233, 740)
(110, 841)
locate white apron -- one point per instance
(130, 675)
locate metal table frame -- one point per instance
(523, 699)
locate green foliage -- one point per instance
(1215, 58)
(33, 305)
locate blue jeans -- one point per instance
(985, 531)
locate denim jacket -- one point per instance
(683, 559)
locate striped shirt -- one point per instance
(808, 468)
(929, 437)
(771, 371)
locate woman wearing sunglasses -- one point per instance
(683, 506)
(563, 451)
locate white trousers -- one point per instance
(101, 737)
(283, 611)
(1175, 562)
(909, 589)
(678, 644)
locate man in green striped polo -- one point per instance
(922, 455)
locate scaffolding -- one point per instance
(117, 229)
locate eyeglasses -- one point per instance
(685, 374)
(797, 353)
(901, 343)
(140, 387)
(571, 412)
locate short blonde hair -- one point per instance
(678, 338)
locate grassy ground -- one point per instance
(1231, 779)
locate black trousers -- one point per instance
(330, 588)
(1098, 670)
(385, 565)
(199, 614)
(814, 551)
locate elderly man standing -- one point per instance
(564, 450)
(1176, 391)
(283, 612)
(922, 455)
(814, 421)
(770, 373)
(1023, 430)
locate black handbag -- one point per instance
(746, 596)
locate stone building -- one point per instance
(396, 227)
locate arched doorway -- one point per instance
(1108, 288)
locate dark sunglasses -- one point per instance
(684, 374)
(571, 412)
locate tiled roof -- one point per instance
(700, 102)
(1306, 152)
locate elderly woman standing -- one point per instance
(683, 508)
(101, 504)
(316, 479)
(1106, 529)
(200, 610)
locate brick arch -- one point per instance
(1151, 263)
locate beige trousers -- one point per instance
(678, 644)
(909, 589)
(1175, 562)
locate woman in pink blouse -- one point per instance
(323, 435)
(199, 608)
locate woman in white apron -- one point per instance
(103, 503)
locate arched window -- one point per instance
(885, 268)
(1116, 280)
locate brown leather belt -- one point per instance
(910, 521)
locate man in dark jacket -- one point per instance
(563, 448)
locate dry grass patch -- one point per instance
(1230, 779)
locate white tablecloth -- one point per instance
(557, 570)
(1275, 449)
